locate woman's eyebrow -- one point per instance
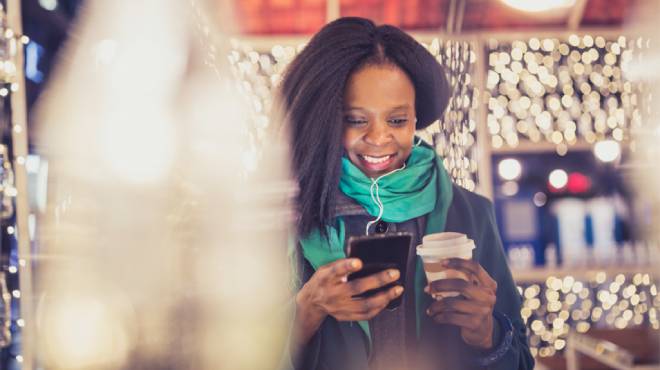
(401, 107)
(354, 108)
(404, 106)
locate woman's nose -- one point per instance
(378, 133)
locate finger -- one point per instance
(465, 288)
(375, 281)
(473, 268)
(458, 319)
(459, 305)
(337, 271)
(367, 308)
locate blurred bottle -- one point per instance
(551, 256)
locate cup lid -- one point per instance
(455, 250)
(445, 238)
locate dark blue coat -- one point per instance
(343, 345)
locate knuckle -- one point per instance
(366, 306)
(462, 284)
(353, 288)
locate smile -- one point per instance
(376, 160)
(375, 164)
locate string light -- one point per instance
(552, 309)
(561, 91)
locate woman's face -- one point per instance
(379, 119)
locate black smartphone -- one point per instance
(380, 252)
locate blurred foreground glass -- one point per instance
(158, 249)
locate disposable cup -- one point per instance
(445, 239)
(440, 247)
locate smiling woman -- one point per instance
(379, 127)
(353, 99)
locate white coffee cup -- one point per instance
(445, 239)
(440, 246)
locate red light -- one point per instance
(578, 183)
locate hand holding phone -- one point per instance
(327, 292)
(378, 253)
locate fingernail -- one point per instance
(344, 279)
(398, 290)
(394, 274)
(354, 264)
(426, 289)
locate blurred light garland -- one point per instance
(560, 304)
(9, 46)
(562, 91)
(453, 136)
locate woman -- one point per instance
(354, 98)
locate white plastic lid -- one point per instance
(446, 238)
(446, 252)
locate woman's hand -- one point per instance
(329, 292)
(472, 310)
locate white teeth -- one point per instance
(375, 159)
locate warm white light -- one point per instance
(510, 188)
(607, 150)
(48, 4)
(558, 179)
(539, 5)
(509, 169)
(84, 333)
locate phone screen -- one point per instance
(378, 253)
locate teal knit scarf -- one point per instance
(422, 187)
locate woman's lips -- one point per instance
(376, 163)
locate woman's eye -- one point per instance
(398, 121)
(355, 121)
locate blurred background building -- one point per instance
(550, 99)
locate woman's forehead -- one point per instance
(382, 86)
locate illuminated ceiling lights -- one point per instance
(539, 5)
(509, 169)
(607, 150)
(558, 179)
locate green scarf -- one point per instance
(422, 187)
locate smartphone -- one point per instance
(377, 253)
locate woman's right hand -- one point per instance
(328, 292)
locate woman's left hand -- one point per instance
(472, 310)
